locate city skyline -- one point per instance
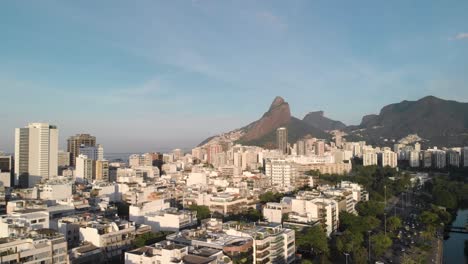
(182, 71)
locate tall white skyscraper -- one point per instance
(36, 153)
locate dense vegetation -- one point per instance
(149, 238)
(376, 180)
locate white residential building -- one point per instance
(36, 153)
(272, 242)
(84, 169)
(273, 212)
(414, 159)
(281, 172)
(316, 209)
(136, 160)
(40, 246)
(19, 223)
(159, 253)
(369, 159)
(113, 236)
(56, 190)
(195, 178)
(170, 219)
(137, 212)
(388, 158)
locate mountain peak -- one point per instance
(315, 113)
(430, 98)
(277, 102)
(318, 120)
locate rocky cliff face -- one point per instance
(278, 115)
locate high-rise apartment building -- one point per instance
(338, 139)
(93, 152)
(136, 160)
(84, 169)
(282, 139)
(319, 148)
(417, 146)
(178, 154)
(464, 156)
(369, 159)
(439, 159)
(414, 159)
(77, 141)
(453, 158)
(6, 163)
(301, 148)
(388, 158)
(101, 170)
(36, 153)
(427, 159)
(6, 170)
(63, 158)
(281, 172)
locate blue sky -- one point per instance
(151, 75)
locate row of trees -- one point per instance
(373, 178)
(353, 240)
(448, 192)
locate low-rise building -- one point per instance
(40, 246)
(170, 219)
(272, 242)
(20, 223)
(113, 236)
(273, 212)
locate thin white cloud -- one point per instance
(460, 36)
(272, 20)
(147, 89)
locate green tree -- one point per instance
(149, 238)
(445, 198)
(429, 218)
(369, 223)
(380, 244)
(349, 241)
(360, 255)
(270, 196)
(314, 239)
(203, 211)
(370, 208)
(393, 223)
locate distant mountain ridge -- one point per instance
(438, 122)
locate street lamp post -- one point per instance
(385, 223)
(385, 194)
(369, 247)
(346, 254)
